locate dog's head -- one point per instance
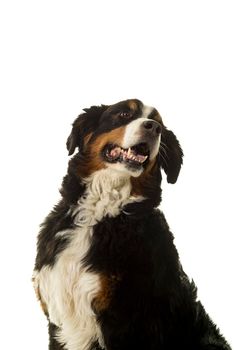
(127, 137)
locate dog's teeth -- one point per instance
(142, 158)
(126, 154)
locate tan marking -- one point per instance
(87, 138)
(158, 118)
(93, 160)
(114, 136)
(39, 298)
(132, 105)
(102, 301)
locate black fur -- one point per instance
(54, 344)
(171, 158)
(48, 246)
(153, 304)
(82, 126)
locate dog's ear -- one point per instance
(83, 125)
(75, 138)
(171, 155)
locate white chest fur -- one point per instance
(68, 288)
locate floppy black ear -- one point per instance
(75, 138)
(171, 155)
(83, 125)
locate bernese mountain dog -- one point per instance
(107, 272)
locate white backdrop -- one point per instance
(58, 57)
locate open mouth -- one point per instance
(135, 156)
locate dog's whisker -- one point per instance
(163, 149)
(163, 157)
(163, 144)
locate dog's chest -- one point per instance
(68, 288)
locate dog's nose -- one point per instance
(152, 126)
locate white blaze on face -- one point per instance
(146, 110)
(132, 135)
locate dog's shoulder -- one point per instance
(50, 242)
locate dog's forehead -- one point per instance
(133, 105)
(136, 107)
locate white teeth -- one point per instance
(127, 155)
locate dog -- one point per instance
(107, 273)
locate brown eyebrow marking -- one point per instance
(156, 116)
(132, 105)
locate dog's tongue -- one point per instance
(115, 152)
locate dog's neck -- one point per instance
(107, 180)
(106, 193)
(110, 185)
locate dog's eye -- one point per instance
(125, 114)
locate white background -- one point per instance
(58, 57)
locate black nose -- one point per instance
(152, 126)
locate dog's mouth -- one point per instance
(135, 156)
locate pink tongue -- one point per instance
(140, 158)
(115, 152)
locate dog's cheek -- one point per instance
(92, 159)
